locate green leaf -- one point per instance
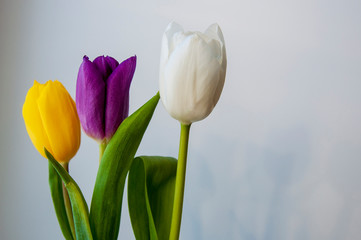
(56, 189)
(151, 185)
(107, 198)
(78, 204)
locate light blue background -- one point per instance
(279, 157)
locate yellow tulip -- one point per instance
(52, 121)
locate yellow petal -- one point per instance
(60, 121)
(32, 119)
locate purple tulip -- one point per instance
(102, 95)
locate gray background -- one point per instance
(279, 157)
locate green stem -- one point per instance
(180, 182)
(102, 147)
(67, 203)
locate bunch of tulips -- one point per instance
(192, 74)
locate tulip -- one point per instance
(52, 121)
(192, 72)
(102, 95)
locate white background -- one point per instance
(278, 158)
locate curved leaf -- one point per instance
(56, 189)
(107, 198)
(151, 185)
(78, 204)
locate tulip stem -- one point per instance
(67, 203)
(180, 183)
(102, 147)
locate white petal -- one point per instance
(167, 47)
(215, 32)
(173, 35)
(172, 28)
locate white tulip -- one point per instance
(192, 72)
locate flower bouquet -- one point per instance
(192, 73)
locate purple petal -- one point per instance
(117, 102)
(106, 65)
(90, 99)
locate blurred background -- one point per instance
(278, 158)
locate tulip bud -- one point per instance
(102, 95)
(192, 72)
(52, 121)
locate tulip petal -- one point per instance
(32, 119)
(117, 97)
(173, 36)
(215, 32)
(169, 43)
(106, 65)
(90, 99)
(60, 121)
